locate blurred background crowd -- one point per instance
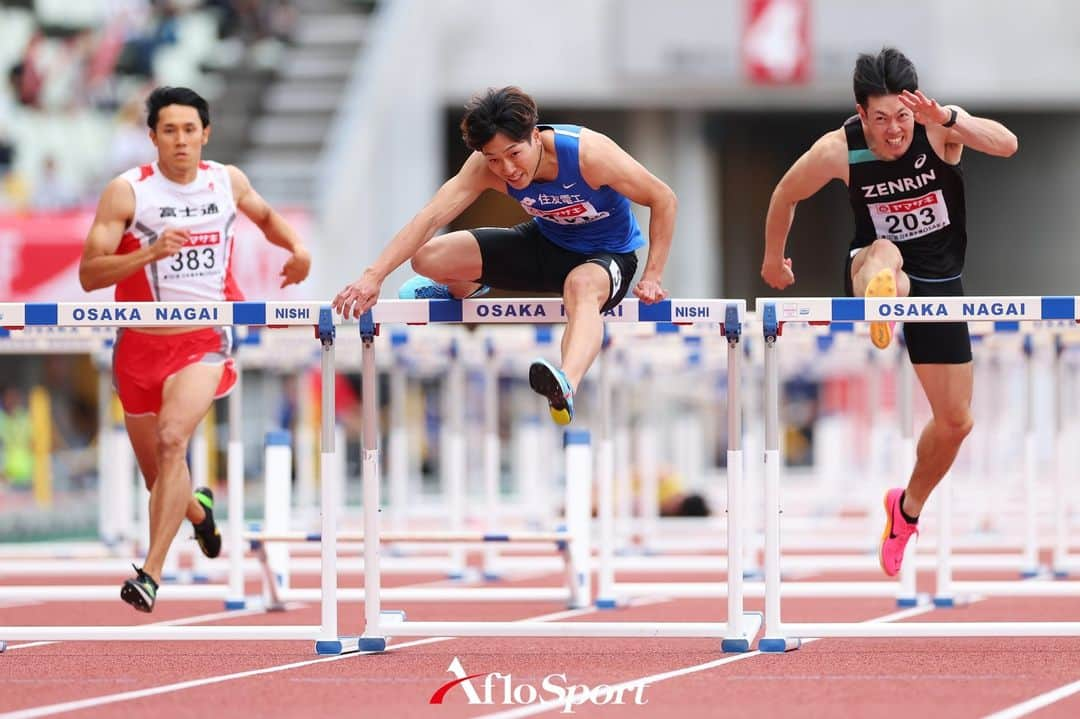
(76, 75)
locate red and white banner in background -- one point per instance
(776, 42)
(39, 258)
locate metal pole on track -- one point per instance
(328, 642)
(373, 638)
(235, 478)
(774, 640)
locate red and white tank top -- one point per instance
(202, 270)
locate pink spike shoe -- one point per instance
(896, 535)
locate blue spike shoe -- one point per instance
(421, 288)
(549, 381)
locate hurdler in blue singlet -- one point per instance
(573, 215)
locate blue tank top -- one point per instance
(573, 215)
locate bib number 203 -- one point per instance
(910, 221)
(192, 259)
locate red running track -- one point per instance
(955, 678)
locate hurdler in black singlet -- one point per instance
(916, 201)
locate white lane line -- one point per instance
(228, 614)
(64, 707)
(183, 621)
(1036, 703)
(553, 704)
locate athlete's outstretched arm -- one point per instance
(603, 162)
(100, 266)
(978, 133)
(449, 201)
(273, 226)
(825, 160)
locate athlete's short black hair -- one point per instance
(165, 96)
(887, 73)
(508, 110)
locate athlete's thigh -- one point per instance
(948, 388)
(187, 395)
(456, 254)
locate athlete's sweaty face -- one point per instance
(888, 126)
(179, 136)
(513, 161)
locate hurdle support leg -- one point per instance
(234, 599)
(277, 509)
(907, 588)
(742, 628)
(1060, 556)
(376, 624)
(605, 485)
(774, 639)
(1030, 566)
(329, 642)
(579, 472)
(491, 459)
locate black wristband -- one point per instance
(952, 118)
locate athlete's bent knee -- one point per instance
(581, 287)
(426, 261)
(885, 251)
(956, 426)
(172, 441)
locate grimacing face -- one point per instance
(179, 136)
(511, 160)
(888, 125)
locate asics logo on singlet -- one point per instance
(904, 184)
(920, 161)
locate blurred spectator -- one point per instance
(131, 145)
(255, 20)
(137, 55)
(13, 190)
(27, 75)
(53, 192)
(17, 465)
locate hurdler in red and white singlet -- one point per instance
(200, 272)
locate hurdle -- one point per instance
(739, 629)
(612, 591)
(780, 636)
(116, 529)
(218, 314)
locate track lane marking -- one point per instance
(1037, 702)
(555, 704)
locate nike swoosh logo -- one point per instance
(567, 187)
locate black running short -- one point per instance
(521, 259)
(931, 342)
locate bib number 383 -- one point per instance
(902, 220)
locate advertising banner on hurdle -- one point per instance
(39, 258)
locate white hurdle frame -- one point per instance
(217, 314)
(739, 629)
(782, 637)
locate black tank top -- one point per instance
(916, 201)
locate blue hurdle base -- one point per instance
(778, 645)
(329, 647)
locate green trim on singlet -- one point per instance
(854, 157)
